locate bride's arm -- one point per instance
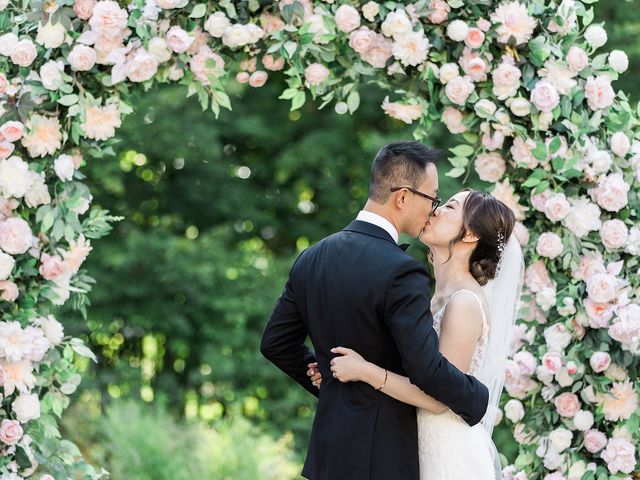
(461, 329)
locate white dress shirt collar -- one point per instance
(379, 221)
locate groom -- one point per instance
(357, 288)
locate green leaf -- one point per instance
(462, 150)
(353, 101)
(81, 349)
(49, 219)
(68, 100)
(588, 17)
(455, 172)
(222, 99)
(198, 11)
(298, 100)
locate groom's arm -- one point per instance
(411, 325)
(283, 340)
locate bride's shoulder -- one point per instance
(466, 306)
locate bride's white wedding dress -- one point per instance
(449, 448)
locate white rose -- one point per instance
(52, 329)
(26, 406)
(577, 470)
(15, 179)
(560, 439)
(82, 58)
(557, 337)
(217, 24)
(370, 10)
(38, 193)
(7, 42)
(620, 144)
(546, 298)
(619, 61)
(396, 23)
(583, 217)
(595, 36)
(51, 74)
(514, 410)
(583, 420)
(347, 18)
(159, 49)
(485, 108)
(51, 35)
(520, 107)
(64, 167)
(3, 4)
(178, 39)
(448, 71)
(457, 30)
(7, 262)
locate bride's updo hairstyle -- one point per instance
(492, 222)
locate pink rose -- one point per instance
(512, 373)
(243, 77)
(552, 362)
(10, 431)
(362, 39)
(601, 287)
(10, 291)
(474, 65)
(526, 362)
(12, 130)
(484, 24)
(489, 166)
(6, 149)
(142, 67)
(316, 73)
(521, 152)
(611, 193)
(567, 404)
(404, 112)
(506, 81)
(271, 23)
(452, 118)
(4, 83)
(545, 96)
(572, 368)
(82, 58)
(258, 78)
(24, 53)
(600, 361)
(549, 245)
(599, 313)
(594, 440)
(178, 40)
(380, 52)
(108, 19)
(557, 207)
(15, 236)
(273, 64)
(620, 144)
(475, 37)
(198, 64)
(84, 8)
(521, 233)
(347, 18)
(577, 59)
(440, 11)
(459, 89)
(539, 200)
(599, 92)
(51, 266)
(620, 455)
(614, 234)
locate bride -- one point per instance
(469, 239)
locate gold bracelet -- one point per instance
(386, 373)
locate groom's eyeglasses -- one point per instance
(435, 201)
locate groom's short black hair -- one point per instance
(400, 164)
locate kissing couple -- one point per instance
(403, 394)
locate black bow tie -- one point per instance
(404, 246)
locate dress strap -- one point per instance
(485, 323)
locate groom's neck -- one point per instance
(384, 211)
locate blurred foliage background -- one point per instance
(215, 212)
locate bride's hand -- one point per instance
(350, 367)
(314, 374)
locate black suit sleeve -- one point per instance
(284, 336)
(410, 322)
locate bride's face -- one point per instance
(446, 222)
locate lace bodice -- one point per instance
(479, 351)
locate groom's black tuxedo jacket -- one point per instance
(358, 289)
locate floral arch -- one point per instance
(523, 85)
